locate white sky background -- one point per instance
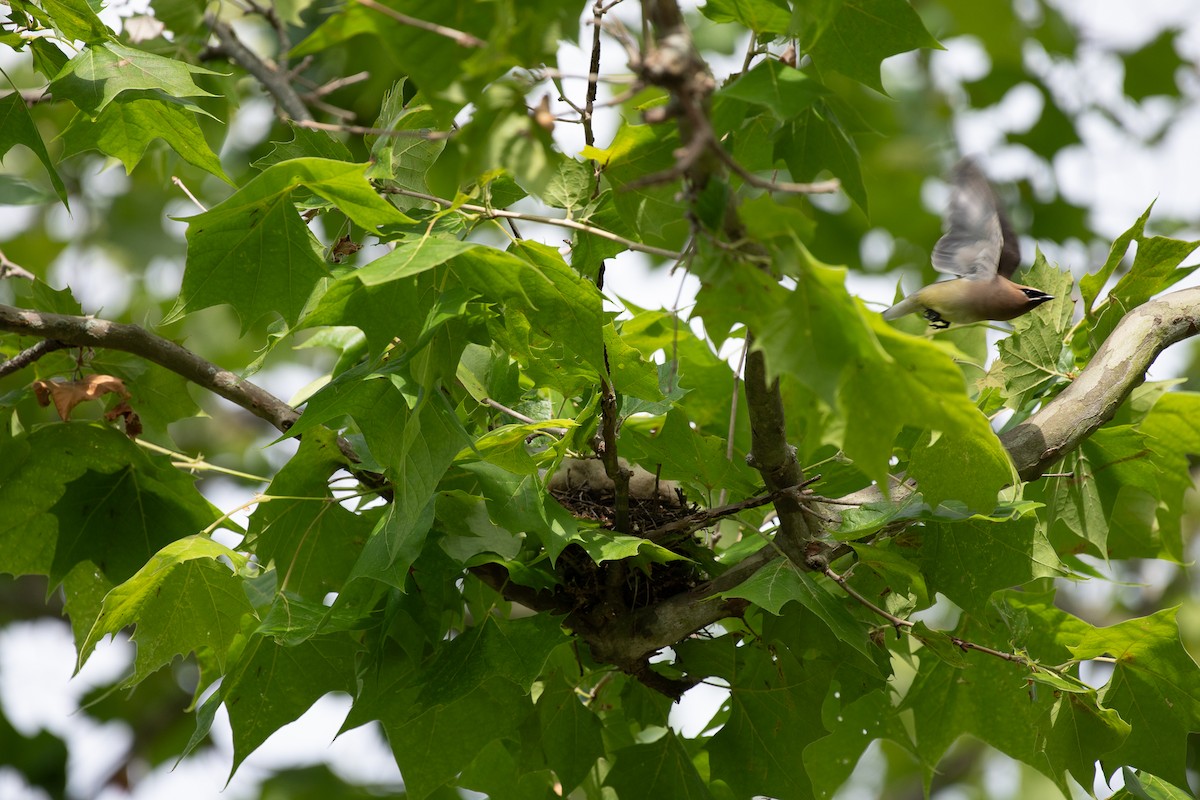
(1111, 173)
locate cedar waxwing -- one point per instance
(979, 246)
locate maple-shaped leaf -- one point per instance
(1155, 687)
(93, 78)
(118, 520)
(17, 127)
(255, 252)
(1173, 437)
(1059, 728)
(312, 540)
(775, 712)
(779, 582)
(182, 600)
(1032, 359)
(878, 379)
(434, 744)
(969, 560)
(571, 732)
(864, 33)
(125, 129)
(271, 684)
(637, 151)
(661, 768)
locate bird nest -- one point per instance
(609, 588)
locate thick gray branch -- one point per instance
(1118, 367)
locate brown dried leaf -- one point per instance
(67, 394)
(345, 246)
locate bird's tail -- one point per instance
(906, 306)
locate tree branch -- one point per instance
(276, 81)
(1118, 367)
(460, 38)
(775, 459)
(29, 355)
(99, 333)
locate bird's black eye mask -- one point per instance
(1037, 294)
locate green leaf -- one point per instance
(1054, 732)
(497, 773)
(404, 160)
(969, 560)
(669, 447)
(1155, 268)
(259, 257)
(415, 446)
(254, 250)
(312, 540)
(879, 380)
(1171, 426)
(117, 520)
(830, 760)
(182, 600)
(571, 186)
(436, 745)
(75, 19)
(271, 685)
(659, 769)
(1155, 686)
(515, 650)
(1144, 786)
(775, 712)
(305, 143)
(16, 127)
(760, 16)
(652, 211)
(813, 141)
(368, 297)
(16, 191)
(1092, 284)
(779, 582)
(1030, 361)
(571, 733)
(864, 33)
(784, 90)
(533, 278)
(93, 78)
(126, 128)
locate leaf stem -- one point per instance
(494, 213)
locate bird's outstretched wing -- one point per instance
(979, 240)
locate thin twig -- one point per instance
(11, 269)
(197, 463)
(362, 130)
(29, 355)
(706, 517)
(496, 213)
(733, 406)
(589, 105)
(517, 415)
(907, 625)
(818, 187)
(339, 83)
(460, 38)
(178, 182)
(275, 80)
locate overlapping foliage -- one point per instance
(468, 362)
